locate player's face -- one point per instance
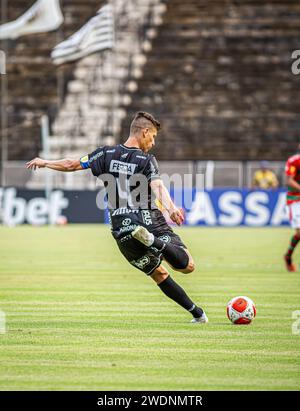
(148, 139)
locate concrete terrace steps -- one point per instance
(224, 74)
(99, 82)
(99, 91)
(35, 86)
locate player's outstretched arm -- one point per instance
(162, 195)
(66, 164)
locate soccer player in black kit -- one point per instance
(138, 226)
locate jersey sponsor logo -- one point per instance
(124, 210)
(142, 157)
(141, 262)
(124, 155)
(165, 238)
(111, 151)
(100, 154)
(146, 217)
(126, 238)
(127, 228)
(122, 168)
(126, 221)
(155, 250)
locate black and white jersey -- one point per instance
(126, 173)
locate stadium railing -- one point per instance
(215, 174)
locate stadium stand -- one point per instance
(100, 90)
(208, 76)
(202, 67)
(35, 87)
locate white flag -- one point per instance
(96, 35)
(43, 16)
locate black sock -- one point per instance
(172, 290)
(174, 254)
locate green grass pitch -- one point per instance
(79, 317)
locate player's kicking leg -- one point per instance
(172, 290)
(294, 213)
(290, 266)
(177, 256)
(180, 260)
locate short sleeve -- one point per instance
(290, 168)
(151, 170)
(95, 161)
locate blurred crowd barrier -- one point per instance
(183, 174)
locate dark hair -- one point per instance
(142, 119)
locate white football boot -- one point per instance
(201, 320)
(141, 234)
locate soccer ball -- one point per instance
(241, 310)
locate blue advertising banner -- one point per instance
(218, 207)
(21, 206)
(233, 207)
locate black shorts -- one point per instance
(146, 259)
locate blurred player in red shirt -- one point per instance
(292, 171)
